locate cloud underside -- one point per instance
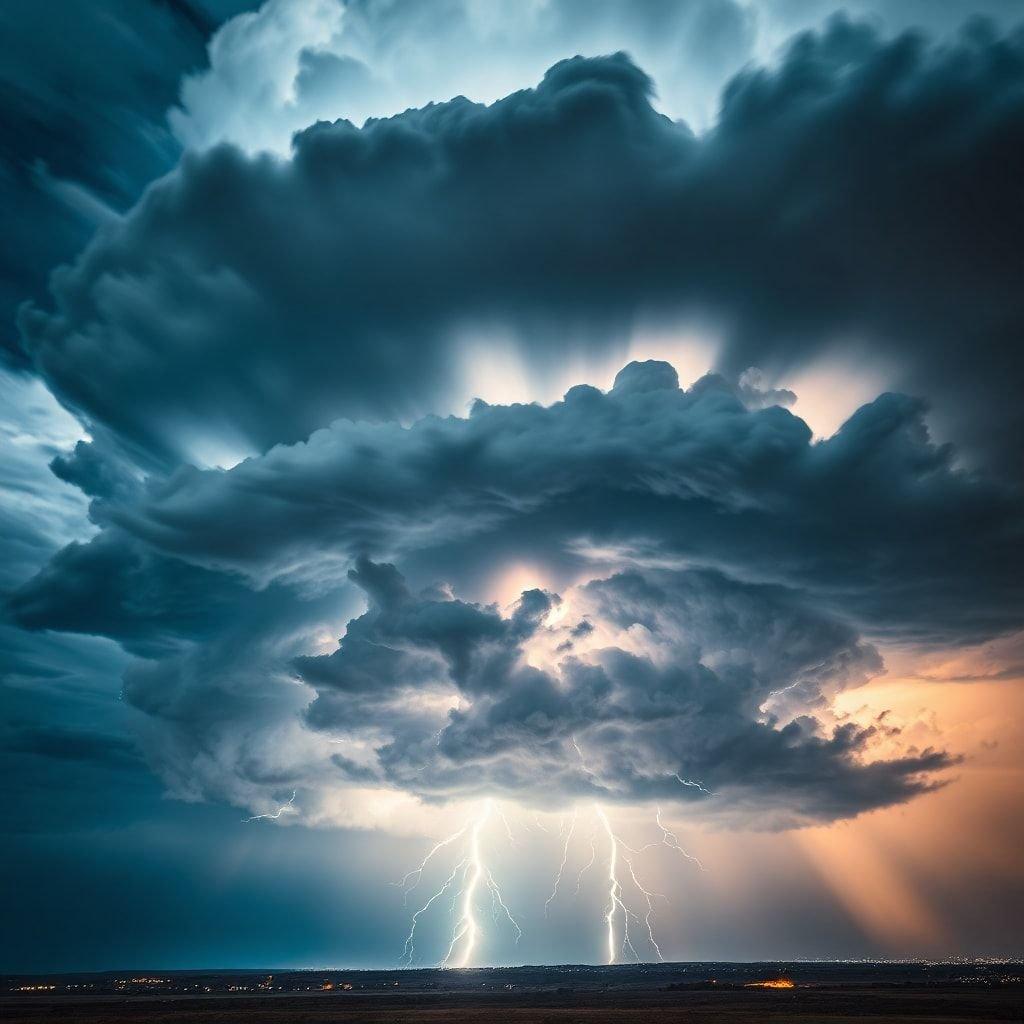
(717, 572)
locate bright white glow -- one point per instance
(497, 369)
(614, 891)
(835, 386)
(465, 879)
(508, 585)
(466, 928)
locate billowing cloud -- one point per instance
(274, 72)
(277, 70)
(877, 520)
(720, 580)
(713, 575)
(637, 594)
(674, 713)
(84, 96)
(863, 190)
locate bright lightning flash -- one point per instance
(615, 902)
(619, 851)
(464, 883)
(470, 874)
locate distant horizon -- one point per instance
(660, 965)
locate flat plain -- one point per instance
(640, 994)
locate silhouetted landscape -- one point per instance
(951, 993)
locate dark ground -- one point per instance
(690, 993)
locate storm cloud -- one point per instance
(84, 125)
(723, 578)
(283, 537)
(878, 521)
(247, 301)
(677, 717)
(714, 575)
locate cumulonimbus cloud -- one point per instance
(724, 576)
(714, 575)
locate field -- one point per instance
(694, 994)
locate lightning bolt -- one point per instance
(561, 867)
(669, 839)
(690, 783)
(469, 873)
(497, 900)
(583, 760)
(784, 689)
(616, 905)
(614, 892)
(466, 928)
(411, 879)
(409, 949)
(507, 827)
(629, 908)
(590, 863)
(649, 900)
(285, 808)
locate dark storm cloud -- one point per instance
(84, 88)
(864, 188)
(96, 472)
(221, 707)
(148, 602)
(245, 303)
(877, 520)
(224, 582)
(612, 724)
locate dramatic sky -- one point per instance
(587, 431)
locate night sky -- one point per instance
(586, 431)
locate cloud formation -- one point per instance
(877, 520)
(713, 576)
(637, 594)
(295, 62)
(85, 125)
(277, 70)
(249, 301)
(673, 714)
(719, 573)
